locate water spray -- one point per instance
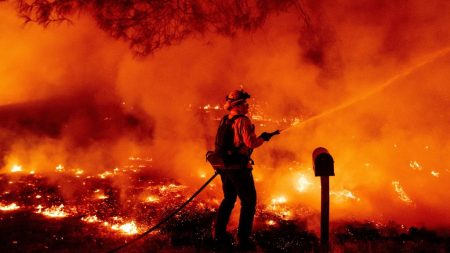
(427, 59)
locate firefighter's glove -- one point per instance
(266, 136)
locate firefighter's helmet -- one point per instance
(235, 97)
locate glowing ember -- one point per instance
(344, 194)
(79, 171)
(9, 207)
(415, 165)
(54, 211)
(129, 228)
(152, 199)
(271, 222)
(435, 173)
(401, 193)
(38, 196)
(90, 219)
(279, 208)
(295, 122)
(170, 188)
(16, 168)
(302, 183)
(209, 107)
(59, 168)
(105, 174)
(279, 200)
(101, 196)
(285, 214)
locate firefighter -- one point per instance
(235, 140)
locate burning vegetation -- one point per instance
(98, 217)
(98, 145)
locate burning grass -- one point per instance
(38, 214)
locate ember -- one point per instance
(401, 193)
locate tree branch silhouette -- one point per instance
(148, 25)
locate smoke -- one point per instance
(292, 69)
(58, 103)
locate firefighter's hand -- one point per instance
(266, 136)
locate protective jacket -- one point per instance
(235, 141)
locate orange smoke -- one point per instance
(388, 136)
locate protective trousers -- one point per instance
(237, 182)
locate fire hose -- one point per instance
(166, 218)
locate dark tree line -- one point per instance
(148, 25)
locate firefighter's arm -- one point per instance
(266, 136)
(248, 134)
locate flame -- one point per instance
(9, 207)
(279, 200)
(415, 165)
(129, 228)
(53, 212)
(16, 168)
(295, 122)
(279, 208)
(90, 219)
(208, 107)
(435, 173)
(105, 174)
(59, 168)
(271, 222)
(101, 196)
(302, 183)
(152, 199)
(344, 194)
(170, 188)
(401, 193)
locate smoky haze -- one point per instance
(385, 134)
